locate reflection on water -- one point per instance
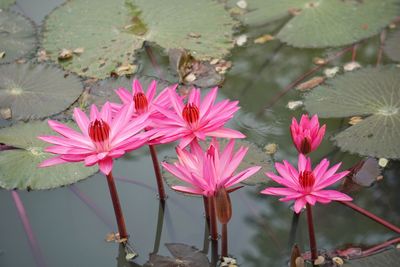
(71, 223)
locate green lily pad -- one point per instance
(103, 90)
(36, 90)
(373, 93)
(392, 46)
(383, 259)
(6, 3)
(19, 167)
(324, 23)
(113, 40)
(254, 157)
(17, 36)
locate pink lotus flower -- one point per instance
(144, 103)
(208, 172)
(307, 135)
(103, 137)
(195, 119)
(306, 185)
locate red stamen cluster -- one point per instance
(99, 131)
(141, 104)
(191, 113)
(307, 180)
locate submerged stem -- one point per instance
(371, 216)
(224, 240)
(157, 172)
(160, 223)
(117, 207)
(293, 229)
(313, 242)
(37, 253)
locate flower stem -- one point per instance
(293, 229)
(313, 243)
(383, 245)
(157, 172)
(213, 218)
(117, 207)
(371, 216)
(160, 223)
(224, 249)
(37, 253)
(206, 211)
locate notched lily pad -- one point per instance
(392, 46)
(254, 157)
(324, 23)
(19, 167)
(111, 42)
(373, 93)
(36, 90)
(17, 36)
(183, 255)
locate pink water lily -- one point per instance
(307, 135)
(143, 102)
(206, 172)
(304, 185)
(102, 137)
(197, 119)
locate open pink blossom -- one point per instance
(206, 172)
(102, 138)
(197, 119)
(307, 135)
(144, 102)
(305, 185)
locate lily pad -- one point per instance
(383, 259)
(392, 46)
(19, 167)
(125, 25)
(370, 92)
(17, 36)
(324, 23)
(36, 90)
(6, 3)
(183, 255)
(254, 157)
(103, 90)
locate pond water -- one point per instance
(71, 223)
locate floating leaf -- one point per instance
(254, 157)
(383, 259)
(103, 91)
(371, 92)
(19, 167)
(324, 23)
(17, 36)
(6, 3)
(184, 255)
(112, 41)
(392, 46)
(36, 90)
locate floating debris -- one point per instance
(310, 84)
(190, 78)
(228, 262)
(299, 261)
(271, 148)
(383, 162)
(42, 55)
(5, 113)
(214, 61)
(78, 50)
(2, 54)
(351, 66)
(242, 4)
(331, 72)
(264, 38)
(319, 61)
(294, 11)
(354, 120)
(292, 105)
(65, 54)
(337, 261)
(124, 69)
(194, 35)
(241, 40)
(320, 260)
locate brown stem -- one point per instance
(354, 52)
(157, 172)
(371, 216)
(313, 243)
(224, 248)
(117, 207)
(383, 245)
(213, 219)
